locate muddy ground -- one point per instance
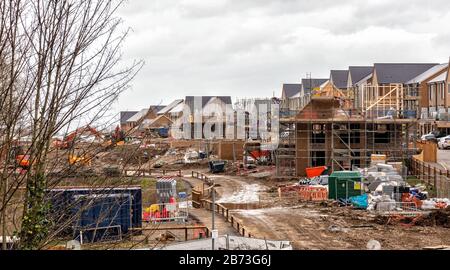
(313, 227)
(318, 226)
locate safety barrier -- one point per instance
(315, 194)
(394, 208)
(158, 213)
(304, 193)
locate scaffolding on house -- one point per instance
(330, 131)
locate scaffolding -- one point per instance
(331, 131)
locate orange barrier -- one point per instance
(315, 194)
(408, 198)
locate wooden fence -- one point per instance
(186, 230)
(437, 178)
(204, 178)
(200, 201)
(225, 213)
(151, 172)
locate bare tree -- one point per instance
(60, 67)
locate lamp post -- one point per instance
(213, 214)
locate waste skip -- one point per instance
(316, 171)
(345, 184)
(66, 204)
(102, 217)
(217, 166)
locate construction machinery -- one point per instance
(21, 159)
(79, 160)
(118, 135)
(116, 138)
(69, 140)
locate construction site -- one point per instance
(331, 131)
(227, 126)
(342, 177)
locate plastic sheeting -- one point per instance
(360, 202)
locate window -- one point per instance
(382, 134)
(318, 134)
(354, 134)
(356, 160)
(432, 91)
(318, 159)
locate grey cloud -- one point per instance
(249, 48)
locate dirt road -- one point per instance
(230, 190)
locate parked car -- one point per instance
(439, 134)
(444, 143)
(429, 137)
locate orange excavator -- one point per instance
(69, 141)
(116, 138)
(21, 159)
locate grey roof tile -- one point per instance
(399, 72)
(357, 73)
(339, 78)
(189, 101)
(124, 116)
(427, 74)
(290, 90)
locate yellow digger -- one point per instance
(82, 160)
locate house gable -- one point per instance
(358, 73)
(291, 90)
(339, 78)
(190, 101)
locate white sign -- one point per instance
(171, 207)
(215, 234)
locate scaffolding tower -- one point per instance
(331, 131)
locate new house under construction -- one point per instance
(331, 131)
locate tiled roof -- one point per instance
(399, 73)
(291, 90)
(339, 78)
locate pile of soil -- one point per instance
(439, 218)
(436, 218)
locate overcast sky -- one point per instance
(249, 48)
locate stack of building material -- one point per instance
(378, 159)
(382, 178)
